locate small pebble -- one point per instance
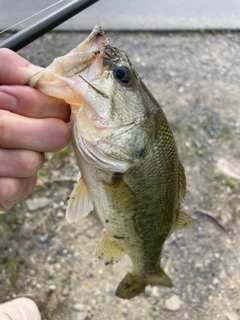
(125, 311)
(60, 214)
(65, 292)
(230, 316)
(32, 272)
(79, 312)
(91, 234)
(173, 303)
(231, 170)
(222, 274)
(148, 291)
(37, 203)
(52, 287)
(155, 292)
(88, 275)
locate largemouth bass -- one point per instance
(130, 170)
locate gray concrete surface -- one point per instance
(132, 15)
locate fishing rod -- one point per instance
(35, 30)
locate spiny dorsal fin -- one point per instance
(183, 221)
(80, 202)
(107, 249)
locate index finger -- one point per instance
(15, 69)
(29, 102)
(15, 72)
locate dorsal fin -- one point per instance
(183, 221)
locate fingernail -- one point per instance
(35, 68)
(7, 101)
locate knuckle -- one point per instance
(4, 127)
(13, 190)
(62, 135)
(30, 163)
(4, 52)
(8, 188)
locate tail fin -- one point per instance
(133, 285)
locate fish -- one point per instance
(130, 171)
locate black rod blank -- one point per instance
(34, 31)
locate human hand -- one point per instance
(30, 124)
(19, 309)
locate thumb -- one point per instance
(19, 309)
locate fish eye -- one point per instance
(123, 74)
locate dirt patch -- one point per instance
(195, 77)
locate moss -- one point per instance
(44, 173)
(63, 153)
(202, 151)
(226, 181)
(2, 231)
(225, 130)
(54, 36)
(12, 268)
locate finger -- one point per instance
(19, 309)
(20, 163)
(29, 102)
(14, 69)
(13, 190)
(42, 135)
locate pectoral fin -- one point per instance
(107, 249)
(183, 221)
(80, 202)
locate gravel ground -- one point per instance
(196, 79)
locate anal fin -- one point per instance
(107, 249)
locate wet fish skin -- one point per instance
(130, 170)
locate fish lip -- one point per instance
(97, 36)
(97, 31)
(112, 55)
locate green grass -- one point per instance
(226, 181)
(224, 131)
(54, 36)
(62, 153)
(12, 268)
(2, 231)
